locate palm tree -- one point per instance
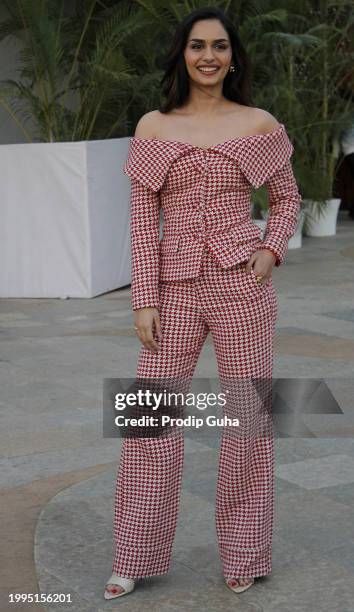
(308, 83)
(75, 82)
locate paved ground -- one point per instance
(58, 472)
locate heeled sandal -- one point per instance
(127, 584)
(239, 588)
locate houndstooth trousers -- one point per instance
(240, 315)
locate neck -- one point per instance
(205, 101)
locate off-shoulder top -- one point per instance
(205, 196)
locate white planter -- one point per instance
(323, 224)
(65, 210)
(295, 242)
(262, 224)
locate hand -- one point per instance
(145, 319)
(262, 262)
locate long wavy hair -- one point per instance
(175, 81)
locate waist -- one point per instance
(246, 231)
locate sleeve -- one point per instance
(144, 240)
(147, 165)
(284, 202)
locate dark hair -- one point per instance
(175, 81)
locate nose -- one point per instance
(208, 59)
(208, 53)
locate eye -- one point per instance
(198, 46)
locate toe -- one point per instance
(246, 581)
(114, 589)
(235, 582)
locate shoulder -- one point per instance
(149, 158)
(268, 151)
(262, 121)
(148, 124)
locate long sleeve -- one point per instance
(147, 166)
(284, 202)
(266, 160)
(144, 238)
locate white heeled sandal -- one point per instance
(239, 588)
(127, 584)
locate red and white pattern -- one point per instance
(205, 198)
(196, 277)
(240, 314)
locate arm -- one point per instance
(284, 207)
(144, 224)
(144, 235)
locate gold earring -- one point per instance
(232, 68)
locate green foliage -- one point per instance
(309, 85)
(91, 71)
(74, 82)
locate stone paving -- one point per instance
(58, 472)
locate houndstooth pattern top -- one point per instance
(205, 198)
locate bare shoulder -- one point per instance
(147, 125)
(266, 122)
(262, 121)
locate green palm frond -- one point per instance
(88, 69)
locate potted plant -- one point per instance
(62, 193)
(327, 101)
(309, 87)
(260, 212)
(259, 205)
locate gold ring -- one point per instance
(259, 278)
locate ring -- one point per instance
(259, 278)
(136, 327)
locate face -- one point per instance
(208, 45)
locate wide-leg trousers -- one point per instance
(240, 315)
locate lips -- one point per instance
(208, 69)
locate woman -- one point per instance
(198, 158)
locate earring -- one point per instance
(232, 68)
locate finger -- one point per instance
(256, 274)
(152, 345)
(250, 262)
(260, 278)
(158, 327)
(148, 339)
(264, 278)
(142, 335)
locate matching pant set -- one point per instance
(196, 278)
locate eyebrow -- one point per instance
(216, 39)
